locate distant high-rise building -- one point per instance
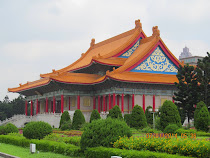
(185, 54)
(187, 57)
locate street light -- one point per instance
(153, 113)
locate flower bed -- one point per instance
(187, 147)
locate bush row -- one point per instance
(103, 152)
(44, 145)
(61, 138)
(189, 131)
(187, 147)
(69, 133)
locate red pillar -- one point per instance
(53, 104)
(37, 106)
(128, 103)
(69, 103)
(114, 99)
(153, 102)
(104, 103)
(118, 100)
(94, 102)
(110, 105)
(51, 107)
(173, 99)
(62, 101)
(143, 102)
(99, 104)
(31, 107)
(78, 102)
(122, 103)
(132, 101)
(46, 104)
(26, 107)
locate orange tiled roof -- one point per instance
(128, 76)
(111, 61)
(104, 49)
(78, 78)
(30, 85)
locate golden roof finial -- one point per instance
(20, 84)
(138, 24)
(53, 70)
(156, 31)
(92, 42)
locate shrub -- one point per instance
(10, 128)
(64, 118)
(187, 147)
(94, 115)
(127, 119)
(43, 145)
(157, 123)
(2, 130)
(103, 133)
(138, 119)
(169, 115)
(115, 112)
(184, 131)
(197, 110)
(104, 152)
(149, 116)
(66, 125)
(69, 133)
(78, 120)
(203, 120)
(37, 130)
(171, 128)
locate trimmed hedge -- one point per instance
(138, 118)
(197, 110)
(104, 133)
(169, 115)
(127, 119)
(171, 128)
(78, 120)
(65, 118)
(148, 115)
(43, 145)
(37, 130)
(115, 113)
(203, 119)
(103, 152)
(183, 146)
(94, 115)
(10, 128)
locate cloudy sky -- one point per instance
(37, 36)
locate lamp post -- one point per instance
(153, 114)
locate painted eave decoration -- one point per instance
(157, 62)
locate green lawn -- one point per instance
(25, 152)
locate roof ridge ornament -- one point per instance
(138, 24)
(156, 31)
(92, 42)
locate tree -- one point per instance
(203, 77)
(64, 118)
(203, 119)
(18, 105)
(78, 120)
(115, 112)
(138, 119)
(169, 115)
(94, 115)
(188, 90)
(199, 106)
(148, 115)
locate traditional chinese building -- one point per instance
(125, 70)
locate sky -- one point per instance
(37, 36)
